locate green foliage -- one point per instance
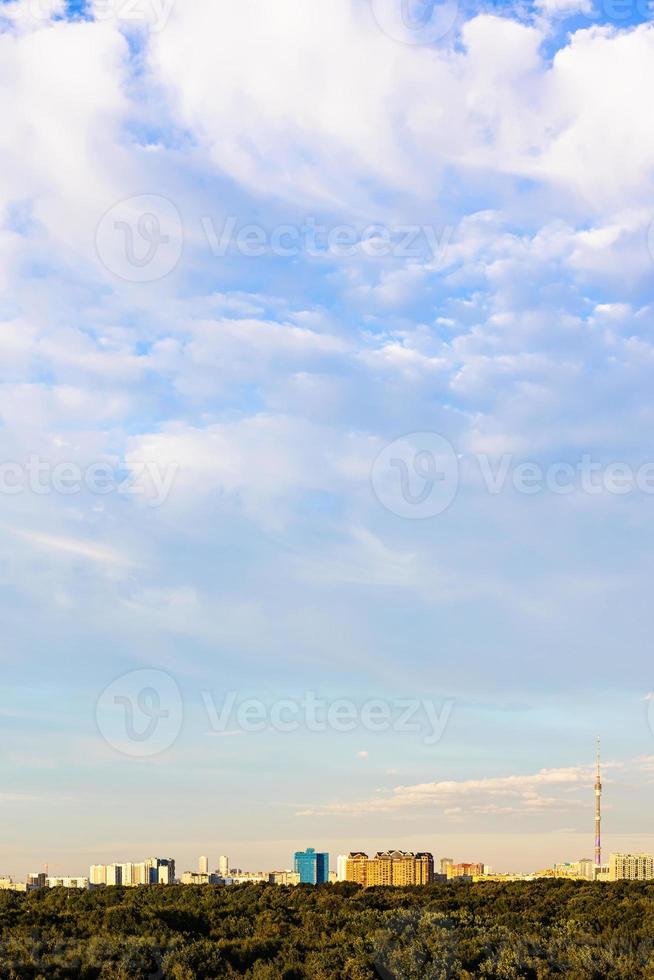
(536, 930)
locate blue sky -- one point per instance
(482, 176)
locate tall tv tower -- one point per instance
(598, 816)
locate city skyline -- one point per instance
(224, 868)
(326, 477)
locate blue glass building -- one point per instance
(312, 866)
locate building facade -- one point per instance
(464, 870)
(631, 867)
(284, 878)
(67, 882)
(390, 868)
(312, 866)
(154, 871)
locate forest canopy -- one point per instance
(537, 929)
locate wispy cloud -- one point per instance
(492, 795)
(100, 553)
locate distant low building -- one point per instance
(66, 882)
(284, 878)
(498, 876)
(200, 878)
(601, 872)
(583, 870)
(9, 885)
(246, 877)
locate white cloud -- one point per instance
(497, 105)
(517, 793)
(56, 545)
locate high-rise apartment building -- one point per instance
(223, 866)
(312, 866)
(164, 871)
(390, 868)
(203, 865)
(356, 867)
(114, 874)
(631, 867)
(98, 874)
(154, 871)
(445, 864)
(127, 874)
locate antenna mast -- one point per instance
(598, 815)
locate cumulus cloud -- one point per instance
(497, 105)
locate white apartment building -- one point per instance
(223, 866)
(114, 874)
(67, 882)
(341, 867)
(284, 878)
(197, 878)
(247, 877)
(128, 874)
(98, 874)
(631, 867)
(203, 865)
